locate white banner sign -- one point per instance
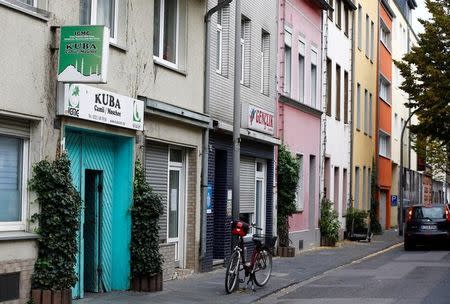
(98, 105)
(257, 119)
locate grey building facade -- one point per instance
(258, 125)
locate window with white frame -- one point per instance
(370, 114)
(364, 193)
(385, 90)
(30, 2)
(357, 185)
(314, 76)
(367, 36)
(219, 42)
(372, 40)
(265, 62)
(287, 60)
(366, 111)
(359, 27)
(168, 24)
(396, 126)
(338, 9)
(101, 12)
(385, 145)
(260, 194)
(385, 35)
(245, 51)
(358, 107)
(301, 70)
(13, 177)
(299, 195)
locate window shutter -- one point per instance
(156, 174)
(247, 181)
(14, 127)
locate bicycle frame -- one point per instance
(248, 267)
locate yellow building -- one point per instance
(365, 45)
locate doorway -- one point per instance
(383, 214)
(92, 231)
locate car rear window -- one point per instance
(429, 212)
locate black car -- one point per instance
(427, 224)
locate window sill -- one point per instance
(385, 157)
(26, 9)
(17, 236)
(118, 47)
(357, 129)
(161, 63)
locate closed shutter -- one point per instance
(14, 127)
(156, 164)
(225, 40)
(247, 180)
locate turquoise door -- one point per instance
(102, 172)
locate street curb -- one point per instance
(295, 285)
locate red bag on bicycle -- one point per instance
(239, 228)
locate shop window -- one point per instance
(101, 12)
(13, 160)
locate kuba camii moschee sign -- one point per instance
(83, 54)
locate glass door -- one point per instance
(260, 195)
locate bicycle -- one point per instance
(259, 269)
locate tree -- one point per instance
(426, 73)
(288, 175)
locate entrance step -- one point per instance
(181, 273)
(218, 264)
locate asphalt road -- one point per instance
(395, 276)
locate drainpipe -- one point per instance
(352, 131)
(205, 139)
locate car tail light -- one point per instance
(409, 214)
(447, 214)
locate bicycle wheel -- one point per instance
(232, 273)
(263, 267)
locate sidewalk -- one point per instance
(209, 287)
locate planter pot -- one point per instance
(40, 296)
(325, 241)
(286, 252)
(150, 283)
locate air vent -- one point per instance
(9, 286)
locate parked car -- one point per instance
(426, 225)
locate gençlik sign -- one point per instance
(257, 119)
(90, 103)
(83, 54)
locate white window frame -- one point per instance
(367, 36)
(116, 17)
(159, 57)
(385, 35)
(287, 42)
(385, 87)
(315, 63)
(33, 5)
(360, 14)
(358, 107)
(372, 40)
(182, 199)
(301, 52)
(22, 224)
(262, 177)
(300, 193)
(387, 145)
(366, 111)
(219, 31)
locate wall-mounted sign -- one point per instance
(394, 200)
(83, 54)
(257, 119)
(90, 103)
(208, 200)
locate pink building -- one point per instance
(299, 107)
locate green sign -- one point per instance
(83, 54)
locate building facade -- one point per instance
(364, 101)
(103, 153)
(384, 114)
(337, 121)
(257, 84)
(299, 108)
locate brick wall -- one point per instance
(168, 252)
(191, 260)
(25, 267)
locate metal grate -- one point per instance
(9, 286)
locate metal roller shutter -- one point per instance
(14, 127)
(156, 168)
(247, 180)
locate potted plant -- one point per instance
(146, 261)
(287, 181)
(328, 224)
(54, 270)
